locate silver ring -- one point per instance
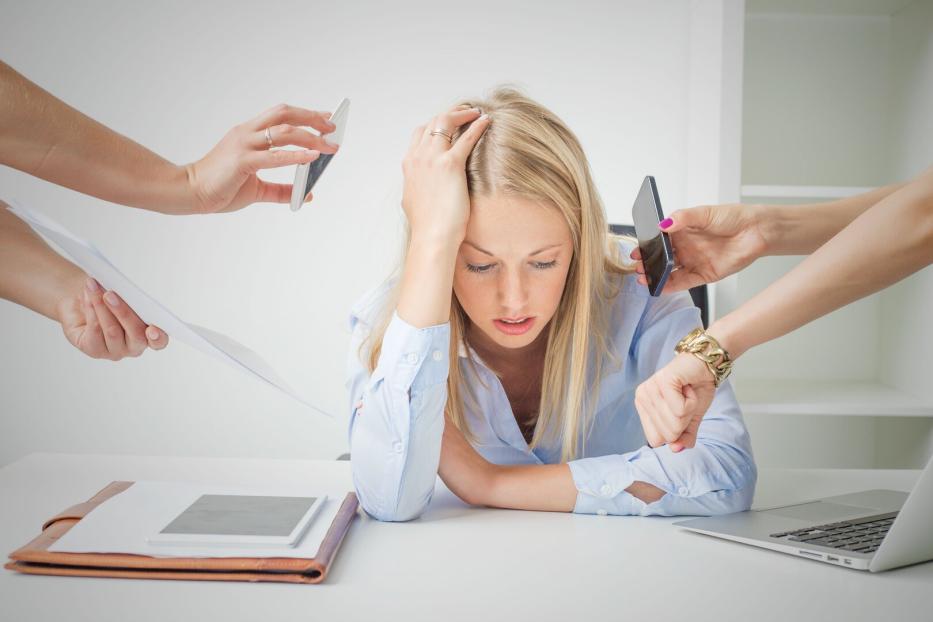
(439, 131)
(269, 137)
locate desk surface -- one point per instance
(459, 563)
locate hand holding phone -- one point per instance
(306, 175)
(657, 253)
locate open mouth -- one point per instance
(514, 326)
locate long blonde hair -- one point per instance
(528, 151)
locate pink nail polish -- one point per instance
(111, 299)
(92, 285)
(667, 222)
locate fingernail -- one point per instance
(111, 299)
(314, 154)
(92, 286)
(330, 144)
(667, 222)
(152, 333)
(483, 117)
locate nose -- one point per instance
(513, 292)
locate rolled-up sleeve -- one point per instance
(397, 417)
(716, 477)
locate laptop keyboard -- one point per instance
(863, 535)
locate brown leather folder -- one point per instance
(35, 558)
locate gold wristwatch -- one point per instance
(708, 350)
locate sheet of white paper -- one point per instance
(123, 523)
(214, 344)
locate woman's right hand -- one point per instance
(435, 197)
(710, 243)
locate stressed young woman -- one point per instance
(506, 354)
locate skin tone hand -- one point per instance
(103, 326)
(437, 206)
(710, 242)
(45, 137)
(840, 269)
(672, 402)
(96, 322)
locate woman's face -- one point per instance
(511, 268)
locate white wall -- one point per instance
(176, 75)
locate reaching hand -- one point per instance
(710, 243)
(103, 326)
(225, 179)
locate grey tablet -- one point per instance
(241, 520)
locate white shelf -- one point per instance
(804, 192)
(796, 397)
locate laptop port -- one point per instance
(847, 562)
(832, 559)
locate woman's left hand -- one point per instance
(672, 402)
(225, 179)
(466, 473)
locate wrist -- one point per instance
(767, 219)
(729, 335)
(67, 286)
(704, 348)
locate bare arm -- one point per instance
(45, 137)
(541, 487)
(33, 274)
(96, 322)
(801, 229)
(884, 244)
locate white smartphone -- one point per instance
(307, 175)
(241, 520)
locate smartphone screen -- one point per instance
(656, 251)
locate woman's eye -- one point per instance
(544, 265)
(480, 268)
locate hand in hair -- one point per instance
(435, 196)
(672, 402)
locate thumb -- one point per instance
(688, 439)
(690, 218)
(688, 436)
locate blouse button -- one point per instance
(436, 355)
(397, 446)
(412, 358)
(601, 512)
(606, 490)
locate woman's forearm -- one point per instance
(427, 281)
(886, 243)
(43, 136)
(547, 488)
(801, 229)
(33, 274)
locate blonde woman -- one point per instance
(506, 356)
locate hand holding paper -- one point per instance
(149, 310)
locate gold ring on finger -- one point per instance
(438, 131)
(269, 137)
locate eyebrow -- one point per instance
(485, 252)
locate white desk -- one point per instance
(461, 563)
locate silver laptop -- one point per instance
(873, 530)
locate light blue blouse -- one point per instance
(395, 441)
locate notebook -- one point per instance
(37, 558)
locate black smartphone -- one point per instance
(657, 253)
